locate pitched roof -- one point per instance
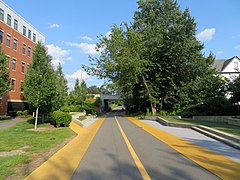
(221, 64)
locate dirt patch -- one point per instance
(41, 129)
(37, 160)
(14, 152)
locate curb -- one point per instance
(233, 141)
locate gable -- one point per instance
(231, 65)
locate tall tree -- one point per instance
(61, 88)
(83, 91)
(155, 56)
(40, 81)
(4, 73)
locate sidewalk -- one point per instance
(10, 123)
(199, 139)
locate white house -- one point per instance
(229, 68)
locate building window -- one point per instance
(21, 86)
(29, 34)
(7, 58)
(27, 66)
(9, 19)
(15, 44)
(23, 67)
(1, 14)
(13, 84)
(24, 30)
(8, 41)
(34, 37)
(24, 48)
(14, 64)
(29, 51)
(235, 65)
(15, 24)
(1, 36)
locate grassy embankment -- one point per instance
(231, 129)
(18, 146)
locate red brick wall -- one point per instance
(19, 56)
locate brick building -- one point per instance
(18, 39)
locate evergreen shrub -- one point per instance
(61, 118)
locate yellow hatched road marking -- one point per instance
(223, 167)
(65, 161)
(133, 154)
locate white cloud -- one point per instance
(56, 62)
(54, 26)
(85, 48)
(206, 34)
(76, 75)
(58, 54)
(220, 52)
(86, 38)
(237, 47)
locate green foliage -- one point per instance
(81, 118)
(154, 59)
(90, 96)
(98, 102)
(40, 81)
(89, 107)
(22, 113)
(4, 73)
(61, 89)
(61, 118)
(235, 89)
(94, 90)
(71, 108)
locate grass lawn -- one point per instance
(81, 118)
(31, 142)
(231, 129)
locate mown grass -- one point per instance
(34, 141)
(228, 128)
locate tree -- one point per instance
(154, 58)
(93, 90)
(4, 73)
(83, 91)
(61, 88)
(40, 81)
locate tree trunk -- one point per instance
(153, 105)
(36, 118)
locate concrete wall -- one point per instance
(234, 121)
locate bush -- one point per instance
(61, 118)
(89, 107)
(71, 108)
(22, 113)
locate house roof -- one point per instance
(220, 65)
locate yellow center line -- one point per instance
(133, 153)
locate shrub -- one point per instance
(89, 106)
(71, 108)
(61, 118)
(22, 113)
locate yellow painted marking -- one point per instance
(133, 154)
(65, 161)
(219, 165)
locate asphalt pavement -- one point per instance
(108, 156)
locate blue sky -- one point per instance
(71, 27)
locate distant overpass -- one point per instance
(105, 98)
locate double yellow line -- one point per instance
(137, 161)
